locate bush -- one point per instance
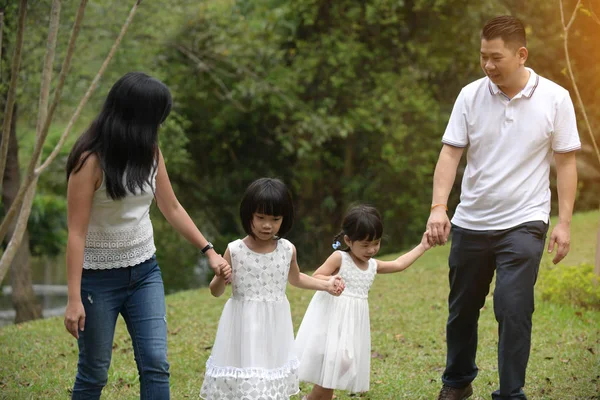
(575, 285)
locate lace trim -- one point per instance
(119, 248)
(102, 260)
(248, 384)
(216, 371)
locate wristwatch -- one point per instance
(206, 248)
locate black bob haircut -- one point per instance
(267, 196)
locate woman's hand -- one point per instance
(75, 318)
(217, 263)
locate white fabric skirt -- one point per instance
(252, 357)
(334, 343)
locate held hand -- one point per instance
(438, 227)
(561, 237)
(425, 241)
(335, 285)
(75, 318)
(215, 261)
(226, 272)
(341, 285)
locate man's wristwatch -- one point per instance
(206, 248)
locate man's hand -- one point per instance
(561, 237)
(438, 227)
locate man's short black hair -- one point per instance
(508, 28)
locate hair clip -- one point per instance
(336, 245)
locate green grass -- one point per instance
(38, 360)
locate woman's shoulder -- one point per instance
(89, 168)
(89, 160)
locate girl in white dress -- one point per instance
(334, 339)
(252, 357)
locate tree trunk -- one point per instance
(23, 298)
(597, 268)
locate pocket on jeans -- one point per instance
(538, 229)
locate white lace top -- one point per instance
(120, 233)
(358, 282)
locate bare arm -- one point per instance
(218, 283)
(405, 260)
(330, 267)
(80, 193)
(438, 224)
(566, 177)
(178, 218)
(303, 281)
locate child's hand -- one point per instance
(335, 285)
(226, 272)
(425, 241)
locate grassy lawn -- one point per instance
(408, 314)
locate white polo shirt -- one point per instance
(510, 147)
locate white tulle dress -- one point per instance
(334, 339)
(253, 354)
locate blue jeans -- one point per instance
(137, 293)
(514, 255)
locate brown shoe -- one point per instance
(452, 393)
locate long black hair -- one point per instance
(124, 136)
(362, 222)
(267, 196)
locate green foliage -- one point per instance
(575, 285)
(342, 100)
(47, 225)
(345, 101)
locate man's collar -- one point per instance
(527, 91)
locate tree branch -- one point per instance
(1, 30)
(30, 173)
(29, 191)
(46, 79)
(581, 106)
(205, 68)
(594, 15)
(89, 92)
(12, 89)
(572, 75)
(47, 68)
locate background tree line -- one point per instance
(346, 101)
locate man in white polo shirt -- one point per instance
(512, 122)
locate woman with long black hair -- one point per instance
(114, 171)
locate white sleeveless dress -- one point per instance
(334, 339)
(252, 357)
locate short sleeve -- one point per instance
(565, 137)
(456, 133)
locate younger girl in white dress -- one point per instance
(334, 339)
(252, 357)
